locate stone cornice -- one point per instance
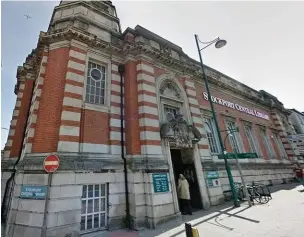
(187, 65)
(76, 34)
(183, 67)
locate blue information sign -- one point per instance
(33, 192)
(160, 183)
(212, 174)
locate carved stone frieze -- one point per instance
(178, 133)
(169, 89)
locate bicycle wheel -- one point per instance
(263, 197)
(241, 194)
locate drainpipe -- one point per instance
(4, 209)
(121, 69)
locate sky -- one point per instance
(264, 51)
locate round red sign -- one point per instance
(51, 163)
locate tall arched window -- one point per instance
(211, 135)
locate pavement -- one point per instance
(283, 216)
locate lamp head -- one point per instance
(220, 43)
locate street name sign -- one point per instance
(33, 192)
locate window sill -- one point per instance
(95, 107)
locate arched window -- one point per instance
(211, 135)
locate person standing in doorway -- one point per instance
(184, 195)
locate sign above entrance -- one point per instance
(238, 156)
(160, 183)
(236, 106)
(33, 192)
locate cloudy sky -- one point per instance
(265, 40)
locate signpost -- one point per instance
(33, 192)
(51, 163)
(238, 156)
(160, 183)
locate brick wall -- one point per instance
(224, 112)
(16, 131)
(50, 105)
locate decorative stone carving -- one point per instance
(169, 89)
(179, 133)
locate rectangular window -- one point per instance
(212, 135)
(267, 144)
(93, 207)
(250, 139)
(95, 84)
(234, 137)
(170, 112)
(280, 145)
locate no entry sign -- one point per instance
(51, 163)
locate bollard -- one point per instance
(195, 232)
(188, 229)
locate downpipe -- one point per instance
(121, 70)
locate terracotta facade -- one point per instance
(75, 113)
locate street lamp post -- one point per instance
(245, 191)
(218, 44)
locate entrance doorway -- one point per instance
(187, 168)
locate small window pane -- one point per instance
(83, 206)
(84, 191)
(103, 189)
(102, 220)
(98, 91)
(90, 191)
(96, 221)
(82, 223)
(96, 205)
(102, 204)
(89, 222)
(92, 90)
(96, 190)
(92, 99)
(90, 206)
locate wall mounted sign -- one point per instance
(236, 106)
(238, 156)
(160, 183)
(33, 192)
(213, 183)
(212, 174)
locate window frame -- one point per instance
(280, 145)
(105, 212)
(253, 138)
(267, 144)
(214, 134)
(234, 136)
(92, 61)
(106, 62)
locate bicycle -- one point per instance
(257, 192)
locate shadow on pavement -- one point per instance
(280, 187)
(212, 214)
